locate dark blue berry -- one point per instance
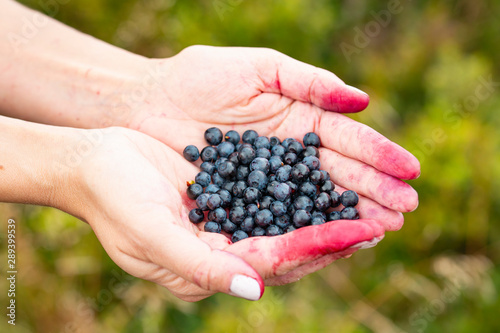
(251, 194)
(308, 189)
(203, 179)
(258, 231)
(266, 202)
(263, 152)
(295, 147)
(282, 191)
(242, 172)
(349, 213)
(238, 188)
(278, 150)
(282, 221)
(209, 154)
(349, 199)
(335, 197)
(252, 209)
(237, 214)
(326, 175)
(283, 173)
(238, 202)
(318, 213)
(290, 228)
(191, 153)
(327, 186)
(290, 158)
(301, 218)
(260, 163)
(274, 230)
(317, 220)
(271, 187)
(249, 136)
(257, 179)
(220, 215)
(299, 172)
(226, 148)
(316, 177)
(322, 202)
(212, 188)
(246, 155)
(214, 201)
(312, 162)
(333, 216)
(286, 142)
(278, 208)
(263, 218)
(225, 197)
(228, 186)
(211, 226)
(303, 203)
(233, 137)
(275, 162)
(227, 169)
(196, 215)
(217, 179)
(208, 167)
(238, 235)
(247, 224)
(201, 201)
(311, 139)
(274, 141)
(213, 135)
(262, 142)
(234, 158)
(228, 226)
(310, 151)
(194, 190)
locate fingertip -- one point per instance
(246, 287)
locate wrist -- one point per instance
(33, 163)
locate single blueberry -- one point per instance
(274, 141)
(217, 179)
(262, 142)
(247, 224)
(251, 194)
(265, 202)
(238, 235)
(224, 149)
(203, 178)
(274, 230)
(213, 136)
(349, 213)
(249, 136)
(214, 201)
(299, 172)
(194, 190)
(311, 139)
(295, 147)
(246, 155)
(234, 158)
(290, 158)
(260, 163)
(327, 186)
(237, 214)
(310, 151)
(220, 215)
(258, 231)
(228, 226)
(242, 172)
(275, 162)
(312, 162)
(349, 199)
(317, 220)
(208, 167)
(233, 137)
(212, 188)
(303, 203)
(191, 153)
(308, 189)
(282, 191)
(282, 221)
(211, 226)
(278, 150)
(316, 177)
(301, 218)
(335, 197)
(225, 197)
(238, 188)
(323, 201)
(196, 215)
(227, 169)
(209, 154)
(283, 173)
(278, 208)
(257, 179)
(263, 152)
(252, 209)
(263, 218)
(333, 216)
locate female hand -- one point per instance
(131, 190)
(262, 89)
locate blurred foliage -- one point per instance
(426, 67)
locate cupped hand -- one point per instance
(264, 90)
(131, 189)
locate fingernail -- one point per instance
(245, 287)
(356, 89)
(367, 244)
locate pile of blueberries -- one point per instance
(263, 186)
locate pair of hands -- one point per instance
(133, 184)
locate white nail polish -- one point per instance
(356, 89)
(367, 244)
(245, 287)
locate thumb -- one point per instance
(303, 82)
(184, 254)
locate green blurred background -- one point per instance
(432, 70)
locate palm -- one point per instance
(153, 238)
(237, 88)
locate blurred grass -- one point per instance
(439, 273)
